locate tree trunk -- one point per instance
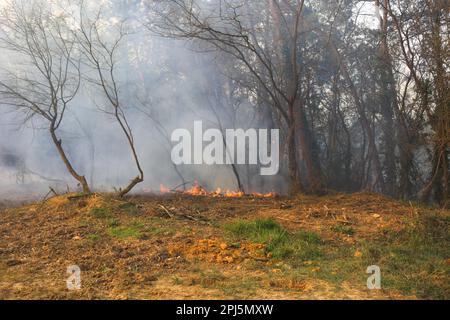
(377, 176)
(440, 119)
(295, 183)
(79, 178)
(140, 177)
(313, 172)
(387, 101)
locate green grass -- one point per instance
(108, 212)
(296, 247)
(101, 213)
(415, 260)
(261, 230)
(129, 208)
(113, 222)
(131, 231)
(177, 281)
(93, 237)
(160, 230)
(347, 230)
(412, 261)
(299, 247)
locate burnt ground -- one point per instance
(182, 247)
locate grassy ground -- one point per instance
(180, 247)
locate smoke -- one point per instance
(164, 85)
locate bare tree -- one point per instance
(101, 54)
(44, 77)
(274, 63)
(148, 111)
(423, 46)
(388, 98)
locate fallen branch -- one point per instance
(80, 196)
(166, 211)
(181, 216)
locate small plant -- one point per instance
(93, 237)
(177, 281)
(347, 230)
(261, 230)
(299, 246)
(101, 213)
(113, 222)
(129, 208)
(133, 231)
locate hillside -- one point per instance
(187, 247)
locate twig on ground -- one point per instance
(166, 211)
(80, 196)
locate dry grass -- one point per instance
(179, 247)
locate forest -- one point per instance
(353, 96)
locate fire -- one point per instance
(233, 194)
(197, 190)
(265, 195)
(163, 189)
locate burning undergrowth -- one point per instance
(197, 190)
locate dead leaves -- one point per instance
(325, 212)
(218, 251)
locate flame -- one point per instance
(197, 190)
(265, 195)
(233, 194)
(163, 189)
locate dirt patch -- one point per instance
(218, 251)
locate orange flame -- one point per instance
(163, 189)
(197, 190)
